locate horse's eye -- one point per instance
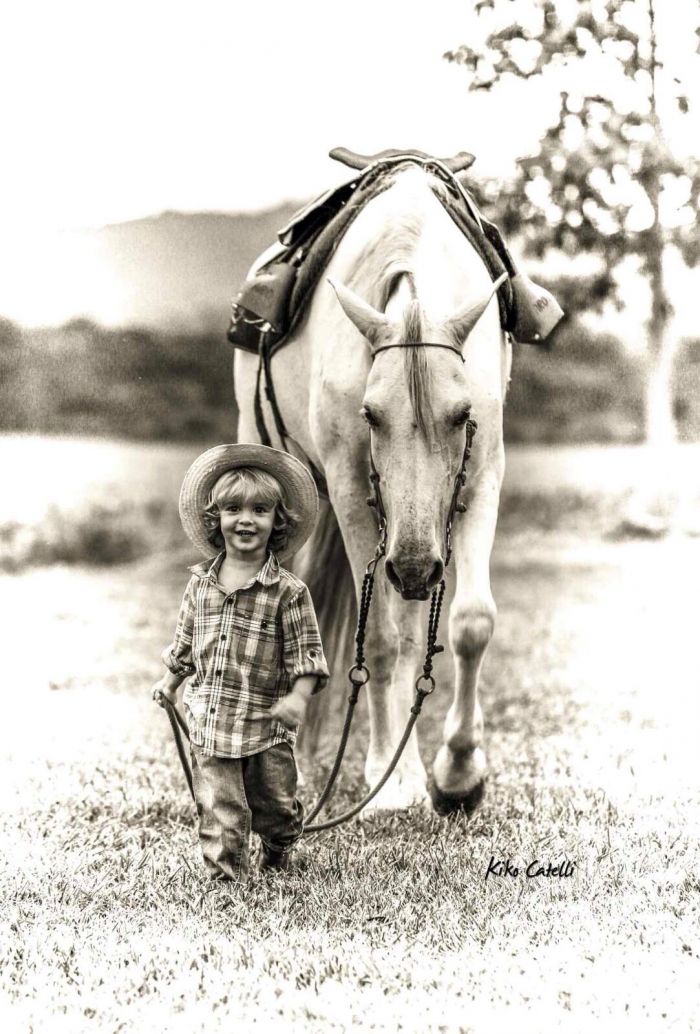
(369, 416)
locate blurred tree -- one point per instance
(605, 179)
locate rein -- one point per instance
(376, 501)
(359, 674)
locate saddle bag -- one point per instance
(537, 311)
(262, 306)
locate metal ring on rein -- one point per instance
(425, 678)
(356, 681)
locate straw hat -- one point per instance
(296, 482)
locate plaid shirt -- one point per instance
(244, 650)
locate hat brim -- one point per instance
(295, 480)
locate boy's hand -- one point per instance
(164, 688)
(290, 709)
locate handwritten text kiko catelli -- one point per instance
(505, 867)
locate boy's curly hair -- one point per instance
(241, 485)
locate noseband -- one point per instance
(376, 501)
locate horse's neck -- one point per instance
(407, 247)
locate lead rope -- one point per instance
(420, 694)
(358, 676)
(425, 683)
(177, 723)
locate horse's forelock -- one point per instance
(412, 322)
(417, 368)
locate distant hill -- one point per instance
(180, 271)
(174, 272)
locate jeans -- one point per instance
(235, 795)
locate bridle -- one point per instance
(375, 500)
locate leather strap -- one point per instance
(265, 370)
(419, 344)
(257, 405)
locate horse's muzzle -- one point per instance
(413, 581)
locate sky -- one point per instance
(114, 110)
(120, 110)
(117, 109)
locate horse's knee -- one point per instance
(383, 650)
(471, 627)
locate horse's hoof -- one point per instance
(398, 795)
(451, 804)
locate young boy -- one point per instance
(248, 640)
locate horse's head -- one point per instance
(417, 403)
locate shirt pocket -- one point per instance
(258, 640)
(196, 703)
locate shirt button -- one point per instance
(218, 671)
(212, 710)
(223, 637)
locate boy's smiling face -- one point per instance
(246, 526)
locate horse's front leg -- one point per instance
(395, 648)
(459, 769)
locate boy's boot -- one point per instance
(274, 859)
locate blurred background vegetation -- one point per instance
(84, 379)
(152, 384)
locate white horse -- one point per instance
(403, 272)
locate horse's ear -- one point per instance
(368, 321)
(459, 327)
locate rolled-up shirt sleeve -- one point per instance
(303, 650)
(177, 657)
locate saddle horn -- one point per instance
(458, 163)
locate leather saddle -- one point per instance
(279, 284)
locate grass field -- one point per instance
(591, 707)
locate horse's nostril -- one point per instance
(435, 574)
(392, 575)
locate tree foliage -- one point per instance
(605, 178)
